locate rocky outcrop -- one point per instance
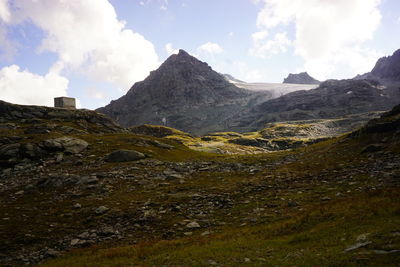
(43, 118)
(15, 153)
(300, 78)
(65, 144)
(389, 122)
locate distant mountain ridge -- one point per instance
(333, 98)
(300, 78)
(186, 94)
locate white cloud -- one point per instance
(210, 48)
(170, 50)
(263, 48)
(5, 14)
(94, 93)
(24, 87)
(88, 38)
(259, 36)
(231, 34)
(327, 32)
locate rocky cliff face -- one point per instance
(386, 70)
(183, 93)
(300, 78)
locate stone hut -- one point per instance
(64, 102)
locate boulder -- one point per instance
(124, 155)
(68, 144)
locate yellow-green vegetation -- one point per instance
(157, 131)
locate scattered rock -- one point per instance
(292, 203)
(101, 210)
(124, 155)
(74, 242)
(193, 224)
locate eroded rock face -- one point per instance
(388, 68)
(300, 78)
(124, 155)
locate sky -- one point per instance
(95, 50)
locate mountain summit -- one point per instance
(184, 93)
(388, 68)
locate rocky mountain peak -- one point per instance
(183, 93)
(388, 68)
(181, 58)
(300, 78)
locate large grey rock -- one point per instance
(124, 155)
(68, 144)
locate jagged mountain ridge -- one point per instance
(386, 70)
(186, 94)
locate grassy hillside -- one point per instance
(334, 203)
